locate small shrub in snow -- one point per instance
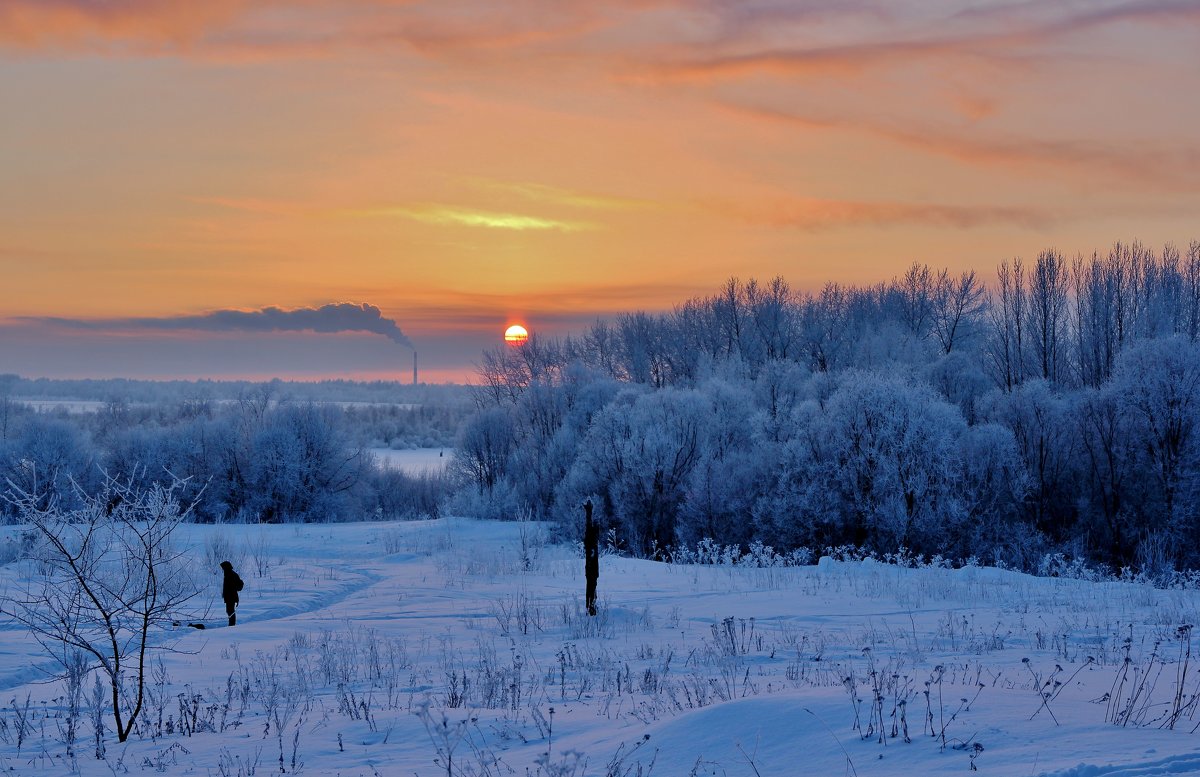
(735, 636)
(260, 554)
(517, 614)
(235, 765)
(1075, 568)
(219, 547)
(708, 552)
(17, 546)
(393, 541)
(580, 625)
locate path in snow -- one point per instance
(712, 670)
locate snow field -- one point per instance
(461, 647)
(413, 461)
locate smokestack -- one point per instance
(414, 368)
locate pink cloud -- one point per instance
(157, 23)
(1176, 167)
(813, 214)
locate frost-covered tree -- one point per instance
(644, 348)
(722, 485)
(774, 319)
(201, 453)
(9, 410)
(302, 467)
(864, 415)
(825, 321)
(1039, 419)
(778, 390)
(1158, 382)
(1109, 470)
(546, 434)
(638, 456)
(484, 448)
(959, 379)
(105, 578)
(889, 455)
(44, 458)
(795, 505)
(991, 485)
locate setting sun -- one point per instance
(516, 335)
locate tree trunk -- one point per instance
(591, 557)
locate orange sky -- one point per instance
(458, 164)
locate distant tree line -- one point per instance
(1056, 411)
(261, 457)
(159, 392)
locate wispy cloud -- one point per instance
(1175, 166)
(982, 32)
(91, 25)
(242, 29)
(813, 214)
(258, 205)
(1042, 18)
(443, 214)
(331, 318)
(554, 195)
(452, 215)
(816, 61)
(690, 39)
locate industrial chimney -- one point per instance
(414, 368)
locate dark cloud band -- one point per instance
(334, 317)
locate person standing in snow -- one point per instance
(591, 556)
(229, 591)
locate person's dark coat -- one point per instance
(230, 586)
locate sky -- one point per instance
(249, 188)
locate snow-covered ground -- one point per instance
(413, 461)
(391, 649)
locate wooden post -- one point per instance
(591, 556)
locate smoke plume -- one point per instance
(334, 317)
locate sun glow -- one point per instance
(516, 335)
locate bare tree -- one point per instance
(915, 293)
(508, 370)
(484, 447)
(643, 349)
(826, 321)
(1006, 347)
(7, 381)
(957, 305)
(1095, 329)
(599, 348)
(107, 579)
(1048, 315)
(729, 308)
(1190, 315)
(695, 338)
(773, 312)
